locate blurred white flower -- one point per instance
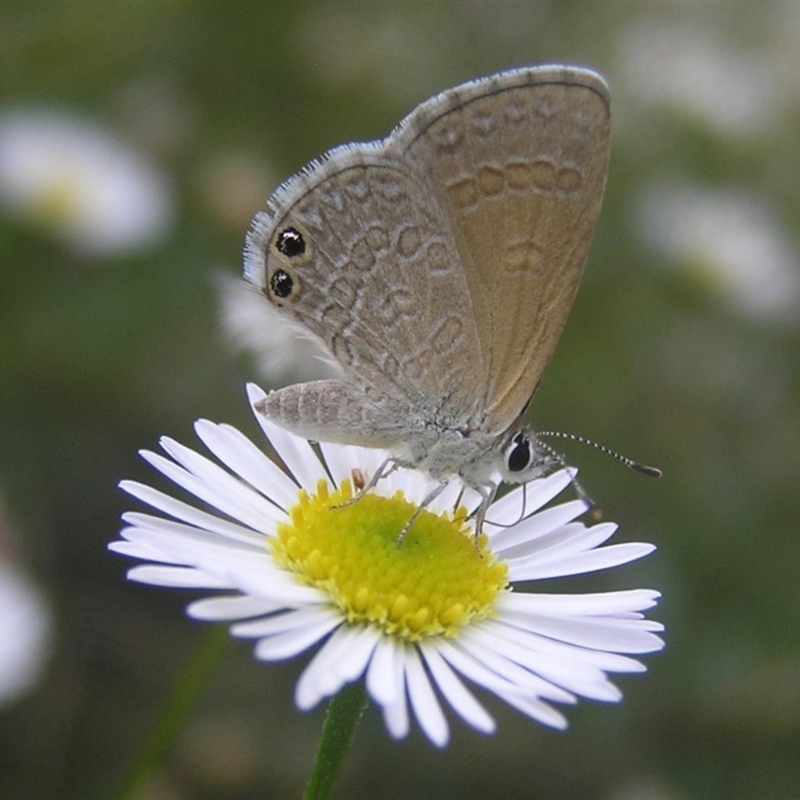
(687, 66)
(88, 187)
(25, 633)
(730, 239)
(25, 624)
(281, 352)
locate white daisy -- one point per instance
(81, 182)
(730, 240)
(281, 353)
(300, 570)
(26, 633)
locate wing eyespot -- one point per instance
(283, 287)
(292, 244)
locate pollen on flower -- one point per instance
(438, 579)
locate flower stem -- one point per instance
(174, 715)
(338, 732)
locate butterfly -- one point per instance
(436, 268)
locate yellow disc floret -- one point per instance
(438, 579)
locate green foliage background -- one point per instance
(99, 358)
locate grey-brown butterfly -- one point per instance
(437, 268)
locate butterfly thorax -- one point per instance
(480, 460)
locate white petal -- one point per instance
(424, 701)
(602, 633)
(539, 524)
(184, 544)
(296, 453)
(519, 631)
(355, 657)
(193, 516)
(251, 570)
(287, 620)
(578, 678)
(415, 485)
(254, 393)
(269, 582)
(456, 494)
(535, 709)
(592, 604)
(176, 577)
(592, 561)
(537, 493)
(233, 448)
(495, 673)
(454, 691)
(475, 645)
(210, 482)
(382, 673)
(341, 459)
(395, 717)
(294, 641)
(216, 609)
(395, 713)
(473, 668)
(574, 537)
(320, 678)
(223, 492)
(141, 550)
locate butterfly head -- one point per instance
(523, 457)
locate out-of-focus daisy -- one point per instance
(298, 570)
(731, 240)
(26, 623)
(91, 189)
(26, 633)
(282, 353)
(685, 64)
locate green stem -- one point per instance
(338, 732)
(174, 715)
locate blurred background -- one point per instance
(137, 139)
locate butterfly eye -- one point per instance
(518, 455)
(291, 243)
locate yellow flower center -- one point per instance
(438, 579)
(60, 202)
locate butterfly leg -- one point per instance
(371, 483)
(426, 501)
(487, 494)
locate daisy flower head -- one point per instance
(297, 567)
(91, 189)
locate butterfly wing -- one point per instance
(356, 251)
(439, 265)
(518, 162)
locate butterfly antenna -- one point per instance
(644, 469)
(561, 460)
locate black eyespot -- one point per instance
(519, 456)
(281, 284)
(291, 243)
